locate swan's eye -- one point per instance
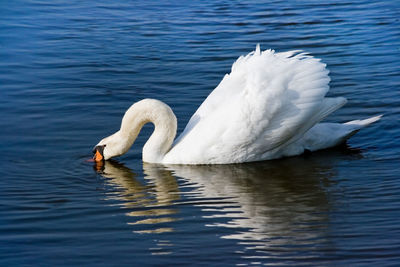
(96, 147)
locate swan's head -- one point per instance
(113, 146)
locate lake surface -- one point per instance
(70, 69)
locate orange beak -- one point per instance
(98, 153)
(98, 156)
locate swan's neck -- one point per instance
(165, 125)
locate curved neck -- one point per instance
(165, 125)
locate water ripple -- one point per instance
(68, 71)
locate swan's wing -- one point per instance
(267, 101)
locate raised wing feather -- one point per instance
(268, 101)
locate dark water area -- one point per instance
(70, 69)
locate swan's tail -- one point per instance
(364, 123)
(356, 125)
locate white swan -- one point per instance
(268, 107)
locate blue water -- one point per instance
(69, 70)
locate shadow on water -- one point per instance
(261, 205)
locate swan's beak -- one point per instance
(98, 153)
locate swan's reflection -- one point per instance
(283, 202)
(151, 202)
(266, 204)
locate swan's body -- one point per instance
(268, 107)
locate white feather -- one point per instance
(268, 101)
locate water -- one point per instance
(68, 71)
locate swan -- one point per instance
(269, 106)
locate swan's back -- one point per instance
(268, 101)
